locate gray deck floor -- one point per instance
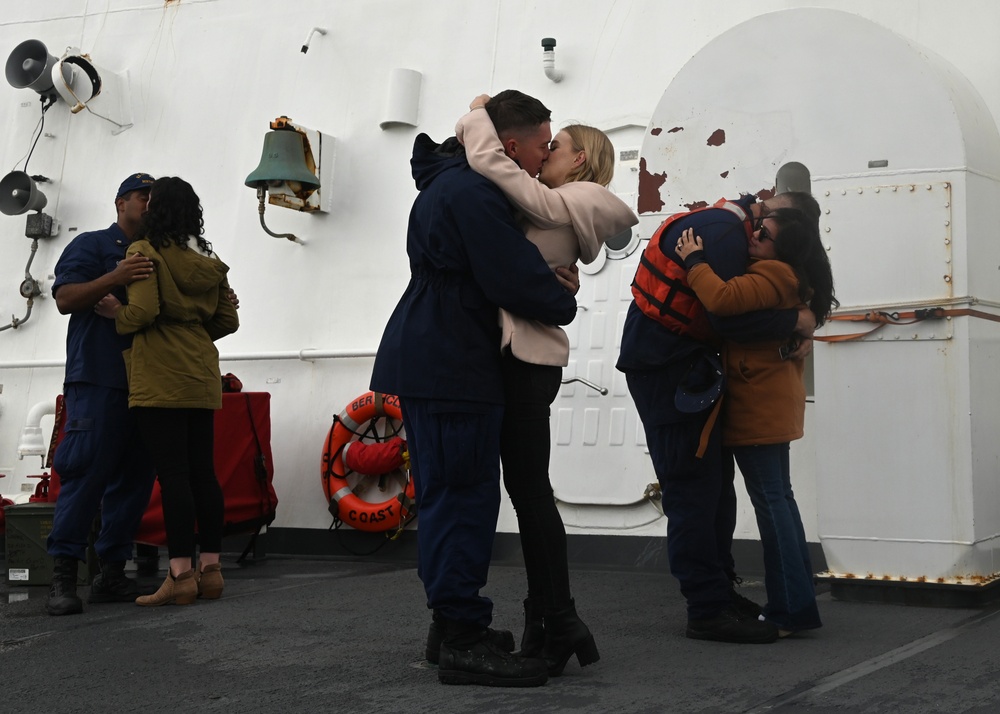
(297, 635)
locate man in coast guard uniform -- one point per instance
(101, 462)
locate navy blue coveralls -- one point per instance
(699, 498)
(440, 353)
(101, 461)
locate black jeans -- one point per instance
(182, 445)
(529, 390)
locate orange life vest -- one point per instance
(661, 289)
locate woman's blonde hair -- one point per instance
(599, 164)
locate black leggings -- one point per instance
(529, 390)
(181, 444)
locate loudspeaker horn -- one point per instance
(30, 65)
(19, 194)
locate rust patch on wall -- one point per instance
(676, 129)
(649, 200)
(765, 193)
(724, 174)
(718, 138)
(656, 132)
(696, 205)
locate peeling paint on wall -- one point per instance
(656, 131)
(649, 200)
(718, 138)
(696, 205)
(724, 174)
(676, 129)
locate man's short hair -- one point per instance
(802, 201)
(512, 111)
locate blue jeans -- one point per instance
(788, 575)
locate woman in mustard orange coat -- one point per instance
(764, 405)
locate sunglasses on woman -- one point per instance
(758, 225)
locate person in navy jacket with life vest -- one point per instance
(440, 354)
(674, 377)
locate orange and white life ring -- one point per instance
(357, 422)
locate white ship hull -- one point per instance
(896, 476)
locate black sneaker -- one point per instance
(744, 606)
(728, 626)
(504, 639)
(484, 663)
(113, 587)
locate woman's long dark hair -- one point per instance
(798, 244)
(173, 215)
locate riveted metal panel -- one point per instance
(890, 248)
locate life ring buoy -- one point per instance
(356, 422)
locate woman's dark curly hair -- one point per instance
(797, 243)
(173, 215)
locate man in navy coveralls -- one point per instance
(440, 354)
(101, 462)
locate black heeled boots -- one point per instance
(566, 635)
(533, 639)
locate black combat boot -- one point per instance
(533, 639)
(504, 639)
(566, 635)
(63, 599)
(111, 585)
(468, 656)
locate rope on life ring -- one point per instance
(358, 421)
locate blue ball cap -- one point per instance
(133, 183)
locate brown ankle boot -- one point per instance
(181, 590)
(210, 582)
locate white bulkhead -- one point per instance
(889, 107)
(904, 158)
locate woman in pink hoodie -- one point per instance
(568, 213)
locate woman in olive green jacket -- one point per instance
(175, 384)
(764, 401)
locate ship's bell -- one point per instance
(283, 159)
